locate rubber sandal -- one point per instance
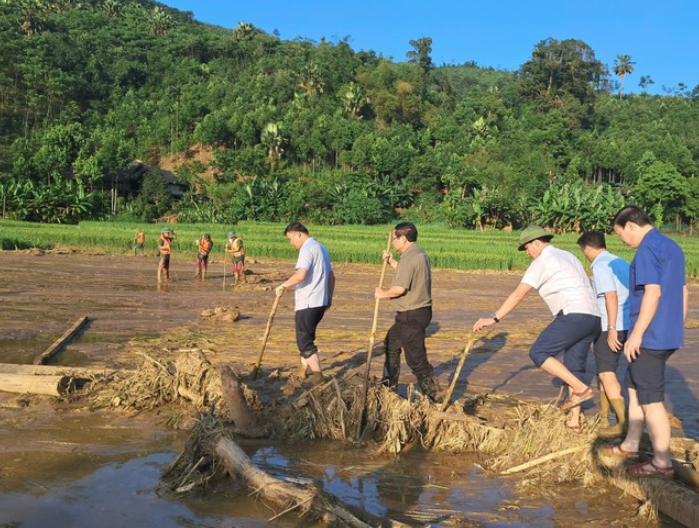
(648, 469)
(617, 452)
(577, 429)
(576, 399)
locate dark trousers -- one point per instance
(408, 334)
(306, 323)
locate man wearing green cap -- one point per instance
(237, 250)
(167, 235)
(560, 279)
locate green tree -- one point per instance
(623, 66)
(421, 53)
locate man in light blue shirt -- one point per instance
(315, 282)
(610, 280)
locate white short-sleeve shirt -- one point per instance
(560, 279)
(313, 291)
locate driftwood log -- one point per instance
(59, 343)
(41, 385)
(244, 420)
(292, 497)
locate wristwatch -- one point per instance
(611, 327)
(494, 317)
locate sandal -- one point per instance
(577, 429)
(649, 469)
(576, 399)
(617, 452)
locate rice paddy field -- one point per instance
(449, 249)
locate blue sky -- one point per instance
(660, 36)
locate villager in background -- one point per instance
(139, 241)
(167, 236)
(237, 250)
(204, 246)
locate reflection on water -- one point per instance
(418, 489)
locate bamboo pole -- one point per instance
(270, 320)
(372, 341)
(447, 398)
(224, 268)
(57, 345)
(543, 459)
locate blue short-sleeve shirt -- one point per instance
(659, 260)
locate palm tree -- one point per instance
(272, 139)
(244, 31)
(623, 66)
(160, 21)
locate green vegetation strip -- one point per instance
(452, 249)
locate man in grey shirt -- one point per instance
(411, 297)
(315, 282)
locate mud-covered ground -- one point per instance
(69, 465)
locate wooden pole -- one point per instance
(224, 268)
(372, 340)
(57, 345)
(447, 398)
(270, 320)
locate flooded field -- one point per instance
(70, 467)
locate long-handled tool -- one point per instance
(256, 369)
(447, 399)
(224, 268)
(372, 340)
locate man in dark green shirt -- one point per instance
(411, 297)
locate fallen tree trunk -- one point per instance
(41, 385)
(59, 343)
(674, 500)
(291, 496)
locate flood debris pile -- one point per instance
(187, 380)
(514, 437)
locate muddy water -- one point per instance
(102, 470)
(89, 466)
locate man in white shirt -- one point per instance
(315, 282)
(610, 281)
(563, 285)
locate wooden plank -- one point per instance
(59, 370)
(57, 345)
(30, 384)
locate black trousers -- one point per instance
(306, 323)
(408, 334)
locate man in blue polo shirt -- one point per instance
(658, 305)
(610, 281)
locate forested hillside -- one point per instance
(270, 129)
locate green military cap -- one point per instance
(532, 232)
(166, 230)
